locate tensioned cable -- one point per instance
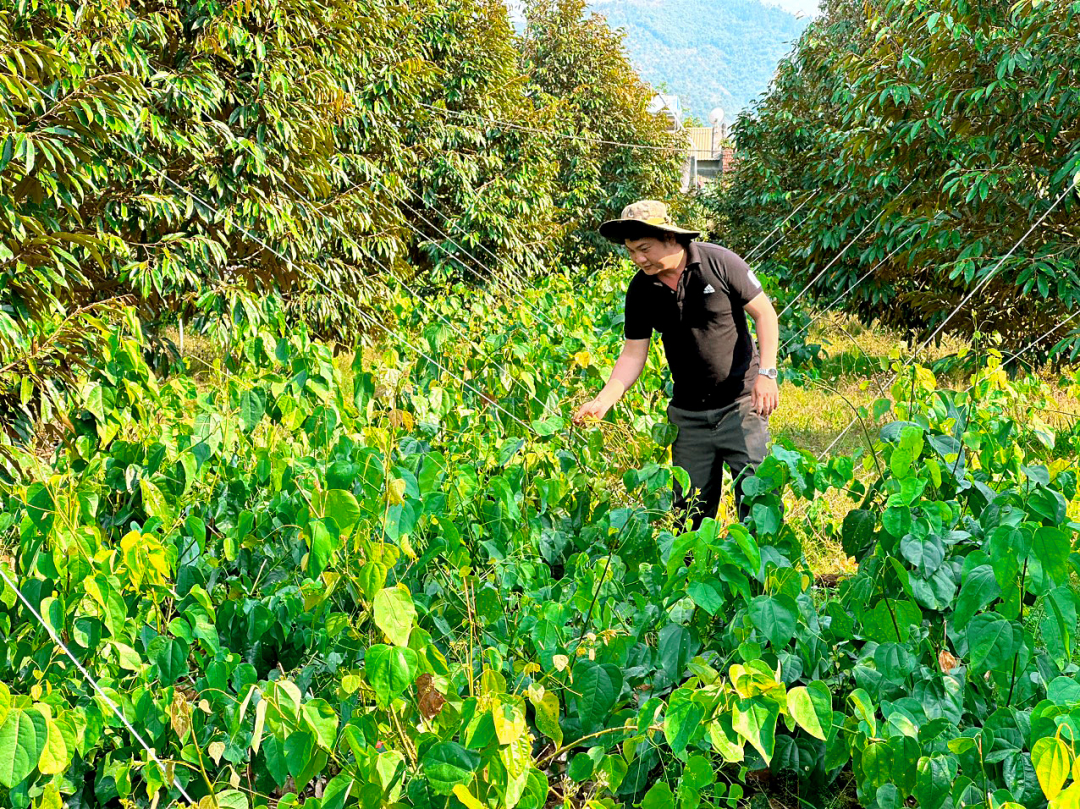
(1039, 339)
(1001, 263)
(963, 302)
(845, 293)
(95, 685)
(494, 122)
(510, 269)
(847, 247)
(371, 319)
(531, 396)
(492, 275)
(388, 272)
(1011, 357)
(85, 673)
(341, 229)
(769, 235)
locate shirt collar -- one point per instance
(693, 257)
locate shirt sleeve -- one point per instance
(740, 280)
(636, 325)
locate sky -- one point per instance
(807, 8)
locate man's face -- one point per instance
(653, 256)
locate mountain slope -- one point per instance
(709, 52)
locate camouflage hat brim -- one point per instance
(615, 230)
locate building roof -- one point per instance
(669, 105)
(662, 101)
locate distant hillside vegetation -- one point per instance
(710, 54)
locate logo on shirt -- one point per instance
(753, 278)
(709, 289)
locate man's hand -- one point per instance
(765, 396)
(594, 409)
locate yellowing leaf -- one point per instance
(216, 750)
(546, 706)
(395, 492)
(1067, 799)
(180, 714)
(560, 662)
(394, 613)
(509, 721)
(1050, 758)
(461, 792)
(50, 798)
(55, 757)
(260, 722)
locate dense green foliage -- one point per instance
(181, 156)
(970, 106)
(709, 54)
(385, 571)
(572, 55)
(336, 584)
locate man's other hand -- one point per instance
(593, 409)
(765, 396)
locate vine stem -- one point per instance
(1016, 657)
(862, 423)
(560, 750)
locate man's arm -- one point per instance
(766, 394)
(627, 369)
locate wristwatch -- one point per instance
(769, 372)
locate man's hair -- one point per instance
(633, 232)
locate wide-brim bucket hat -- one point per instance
(650, 213)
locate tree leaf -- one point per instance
(22, 740)
(322, 721)
(706, 596)
(341, 507)
(1051, 759)
(546, 712)
(877, 765)
(755, 720)
(55, 757)
(252, 408)
(299, 750)
(389, 671)
(172, 660)
(659, 796)
(775, 617)
(811, 708)
(980, 588)
(395, 613)
(447, 764)
(232, 799)
(1051, 547)
(934, 781)
(598, 687)
(323, 546)
(681, 721)
(674, 649)
(508, 716)
(991, 642)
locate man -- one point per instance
(695, 294)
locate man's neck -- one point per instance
(671, 278)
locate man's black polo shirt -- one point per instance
(706, 336)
